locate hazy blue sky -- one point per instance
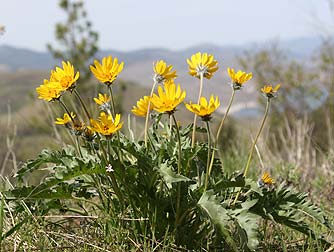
(175, 24)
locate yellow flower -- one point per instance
(269, 91)
(102, 99)
(204, 64)
(49, 91)
(266, 179)
(66, 76)
(168, 98)
(204, 109)
(142, 105)
(162, 72)
(238, 78)
(106, 125)
(65, 120)
(107, 71)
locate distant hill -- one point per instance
(14, 58)
(138, 66)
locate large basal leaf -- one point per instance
(248, 223)
(55, 186)
(290, 208)
(218, 215)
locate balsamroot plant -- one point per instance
(167, 186)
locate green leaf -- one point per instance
(171, 176)
(248, 223)
(55, 186)
(217, 214)
(17, 226)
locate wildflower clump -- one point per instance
(168, 187)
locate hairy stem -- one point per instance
(179, 171)
(148, 113)
(195, 117)
(253, 147)
(82, 104)
(207, 173)
(219, 130)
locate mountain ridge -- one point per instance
(14, 58)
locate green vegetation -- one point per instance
(115, 193)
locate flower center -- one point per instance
(201, 69)
(66, 81)
(158, 78)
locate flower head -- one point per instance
(265, 180)
(103, 102)
(78, 127)
(108, 70)
(65, 76)
(106, 125)
(66, 120)
(238, 78)
(109, 168)
(204, 109)
(162, 72)
(103, 98)
(142, 105)
(167, 100)
(49, 91)
(202, 64)
(269, 91)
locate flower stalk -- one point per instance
(179, 168)
(253, 147)
(148, 113)
(201, 77)
(82, 104)
(207, 173)
(219, 130)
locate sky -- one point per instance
(175, 24)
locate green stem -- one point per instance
(178, 199)
(256, 138)
(148, 113)
(224, 118)
(78, 146)
(114, 115)
(179, 145)
(195, 117)
(112, 175)
(112, 102)
(82, 104)
(253, 146)
(219, 130)
(65, 108)
(207, 173)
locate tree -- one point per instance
(77, 39)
